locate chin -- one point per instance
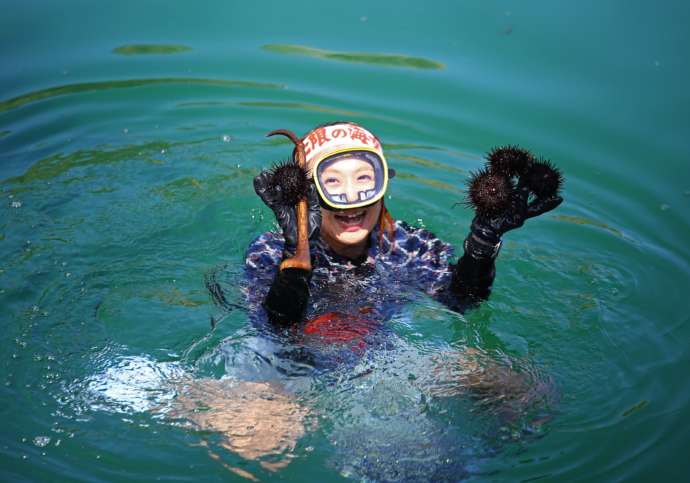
(342, 233)
(353, 237)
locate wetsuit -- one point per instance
(392, 270)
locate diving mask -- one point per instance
(347, 164)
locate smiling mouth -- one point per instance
(351, 219)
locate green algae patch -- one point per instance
(67, 89)
(578, 220)
(53, 166)
(635, 408)
(385, 60)
(151, 49)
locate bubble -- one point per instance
(125, 131)
(226, 138)
(42, 441)
(16, 204)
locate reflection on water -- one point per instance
(56, 91)
(386, 60)
(399, 413)
(125, 176)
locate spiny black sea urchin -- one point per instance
(292, 182)
(488, 192)
(510, 160)
(544, 179)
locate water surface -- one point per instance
(129, 137)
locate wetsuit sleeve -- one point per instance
(473, 275)
(287, 298)
(459, 286)
(279, 297)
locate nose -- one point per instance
(351, 192)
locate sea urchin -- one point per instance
(544, 179)
(510, 160)
(291, 180)
(488, 192)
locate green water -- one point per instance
(129, 136)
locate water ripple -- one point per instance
(67, 89)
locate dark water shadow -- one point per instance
(150, 49)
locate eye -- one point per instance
(365, 177)
(330, 180)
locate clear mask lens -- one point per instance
(353, 178)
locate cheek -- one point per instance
(372, 217)
(327, 221)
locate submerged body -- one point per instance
(329, 314)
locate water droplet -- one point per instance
(125, 131)
(16, 204)
(163, 151)
(42, 441)
(24, 457)
(226, 138)
(68, 275)
(664, 207)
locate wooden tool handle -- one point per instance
(302, 258)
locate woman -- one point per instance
(331, 313)
(352, 235)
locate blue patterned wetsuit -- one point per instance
(414, 261)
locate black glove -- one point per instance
(271, 194)
(485, 235)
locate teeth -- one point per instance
(350, 217)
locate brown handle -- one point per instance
(301, 259)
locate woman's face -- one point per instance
(345, 229)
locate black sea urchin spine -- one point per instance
(291, 180)
(544, 179)
(510, 161)
(488, 192)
